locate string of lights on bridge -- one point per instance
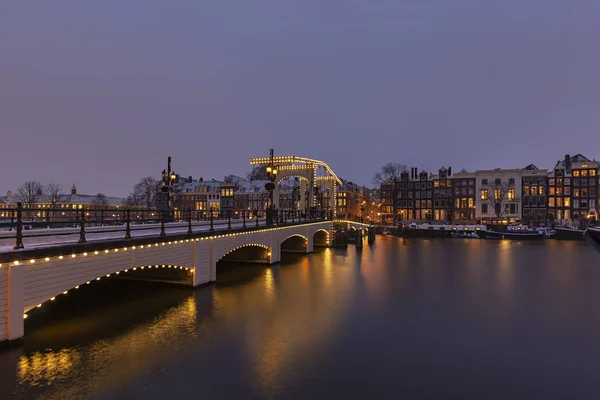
(156, 266)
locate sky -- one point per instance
(100, 93)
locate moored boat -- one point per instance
(592, 237)
(566, 233)
(437, 230)
(514, 232)
(464, 235)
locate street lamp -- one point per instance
(168, 178)
(270, 186)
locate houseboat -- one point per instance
(437, 230)
(514, 232)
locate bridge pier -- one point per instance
(16, 301)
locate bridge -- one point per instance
(48, 263)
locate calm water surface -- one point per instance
(401, 319)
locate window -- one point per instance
(526, 190)
(592, 191)
(576, 192)
(428, 185)
(584, 192)
(417, 185)
(567, 202)
(418, 203)
(584, 172)
(551, 181)
(513, 208)
(567, 191)
(497, 194)
(592, 172)
(436, 184)
(559, 191)
(559, 202)
(576, 173)
(498, 181)
(584, 182)
(484, 181)
(592, 203)
(471, 182)
(457, 203)
(567, 181)
(511, 194)
(551, 202)
(511, 181)
(575, 203)
(575, 182)
(484, 194)
(470, 202)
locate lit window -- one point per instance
(511, 194)
(584, 172)
(484, 194)
(526, 190)
(592, 172)
(541, 190)
(576, 173)
(576, 192)
(471, 202)
(497, 194)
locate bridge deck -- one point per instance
(44, 238)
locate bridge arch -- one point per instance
(321, 238)
(296, 243)
(251, 252)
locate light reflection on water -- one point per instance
(339, 323)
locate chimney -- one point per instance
(9, 193)
(190, 180)
(449, 172)
(567, 162)
(73, 189)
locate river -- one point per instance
(439, 318)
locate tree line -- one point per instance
(32, 193)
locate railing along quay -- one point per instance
(70, 226)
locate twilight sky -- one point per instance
(99, 93)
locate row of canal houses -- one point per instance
(564, 195)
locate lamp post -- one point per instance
(362, 212)
(270, 186)
(168, 177)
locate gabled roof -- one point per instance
(531, 167)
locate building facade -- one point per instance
(534, 201)
(464, 197)
(498, 196)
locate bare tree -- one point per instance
(146, 192)
(54, 193)
(132, 201)
(258, 173)
(390, 174)
(496, 198)
(30, 193)
(100, 200)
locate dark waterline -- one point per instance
(402, 319)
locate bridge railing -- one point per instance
(49, 227)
